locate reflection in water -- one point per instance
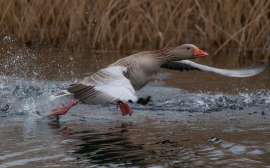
(103, 148)
(142, 144)
(119, 147)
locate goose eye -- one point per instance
(188, 48)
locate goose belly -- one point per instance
(138, 79)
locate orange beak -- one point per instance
(199, 53)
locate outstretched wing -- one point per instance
(177, 65)
(189, 65)
(105, 86)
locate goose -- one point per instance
(119, 81)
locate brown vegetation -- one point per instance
(136, 24)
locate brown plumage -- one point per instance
(119, 80)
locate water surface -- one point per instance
(195, 119)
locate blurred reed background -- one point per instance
(140, 24)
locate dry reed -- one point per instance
(136, 24)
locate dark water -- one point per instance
(195, 119)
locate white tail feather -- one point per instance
(60, 94)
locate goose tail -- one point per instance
(60, 94)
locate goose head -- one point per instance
(186, 51)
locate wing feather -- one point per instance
(189, 65)
(173, 65)
(105, 86)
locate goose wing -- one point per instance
(189, 65)
(105, 86)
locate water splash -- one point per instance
(22, 97)
(201, 102)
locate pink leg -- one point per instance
(63, 110)
(125, 109)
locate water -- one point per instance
(194, 119)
